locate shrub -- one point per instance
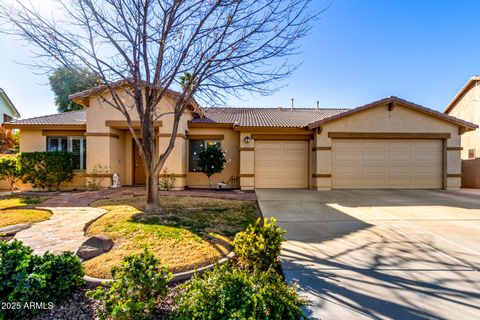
(167, 180)
(46, 169)
(139, 283)
(258, 247)
(96, 177)
(10, 171)
(9, 141)
(232, 293)
(210, 161)
(26, 278)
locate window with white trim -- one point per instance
(75, 145)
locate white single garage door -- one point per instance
(281, 164)
(387, 164)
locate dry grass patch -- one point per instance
(20, 201)
(12, 217)
(16, 209)
(192, 232)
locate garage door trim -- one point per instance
(388, 135)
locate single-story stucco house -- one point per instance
(387, 144)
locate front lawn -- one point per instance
(192, 232)
(17, 209)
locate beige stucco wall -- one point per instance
(379, 119)
(32, 140)
(468, 108)
(117, 152)
(231, 146)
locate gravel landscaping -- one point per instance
(77, 306)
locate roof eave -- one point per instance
(10, 103)
(82, 98)
(408, 104)
(9, 125)
(460, 94)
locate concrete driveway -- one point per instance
(381, 254)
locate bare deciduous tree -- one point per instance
(141, 48)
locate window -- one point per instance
(195, 147)
(75, 145)
(471, 153)
(7, 118)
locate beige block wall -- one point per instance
(468, 108)
(231, 146)
(379, 119)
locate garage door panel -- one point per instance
(391, 164)
(281, 164)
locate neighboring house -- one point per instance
(388, 144)
(7, 109)
(466, 105)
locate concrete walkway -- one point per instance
(63, 232)
(381, 254)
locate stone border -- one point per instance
(181, 276)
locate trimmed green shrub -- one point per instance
(210, 161)
(232, 293)
(46, 170)
(27, 278)
(10, 170)
(139, 283)
(258, 247)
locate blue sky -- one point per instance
(359, 51)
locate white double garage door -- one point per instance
(356, 164)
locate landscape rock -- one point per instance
(12, 230)
(94, 246)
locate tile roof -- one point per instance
(253, 117)
(71, 118)
(266, 117)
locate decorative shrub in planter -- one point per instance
(258, 247)
(139, 283)
(27, 278)
(229, 292)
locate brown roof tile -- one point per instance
(266, 117)
(71, 118)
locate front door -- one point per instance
(138, 167)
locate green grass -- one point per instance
(191, 232)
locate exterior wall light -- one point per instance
(247, 139)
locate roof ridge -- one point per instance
(276, 108)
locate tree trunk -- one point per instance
(153, 199)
